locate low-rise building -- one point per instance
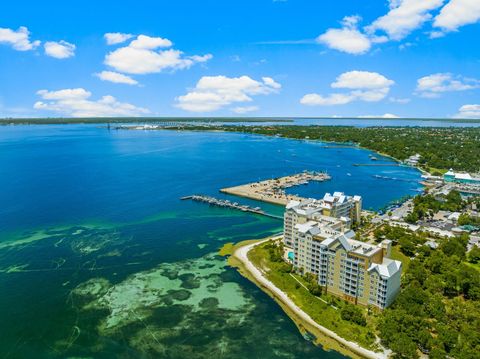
(461, 177)
(413, 160)
(434, 231)
(404, 225)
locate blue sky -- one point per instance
(404, 58)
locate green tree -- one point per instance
(353, 314)
(454, 247)
(474, 255)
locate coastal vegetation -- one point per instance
(474, 255)
(440, 148)
(425, 206)
(405, 240)
(466, 220)
(438, 309)
(350, 322)
(437, 312)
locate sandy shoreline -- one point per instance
(241, 254)
(273, 190)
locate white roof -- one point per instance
(306, 207)
(388, 267)
(439, 231)
(327, 220)
(412, 227)
(350, 245)
(309, 227)
(310, 206)
(342, 239)
(454, 216)
(336, 197)
(328, 197)
(464, 176)
(292, 204)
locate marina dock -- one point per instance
(273, 190)
(377, 164)
(225, 203)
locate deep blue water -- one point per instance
(91, 225)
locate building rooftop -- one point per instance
(310, 206)
(351, 245)
(461, 175)
(387, 268)
(310, 227)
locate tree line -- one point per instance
(440, 148)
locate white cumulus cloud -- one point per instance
(148, 42)
(457, 13)
(18, 39)
(212, 93)
(404, 17)
(60, 49)
(363, 85)
(313, 99)
(361, 80)
(77, 103)
(347, 39)
(385, 115)
(116, 77)
(113, 38)
(468, 111)
(146, 55)
(433, 85)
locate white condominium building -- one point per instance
(337, 211)
(339, 205)
(355, 271)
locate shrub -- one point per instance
(353, 314)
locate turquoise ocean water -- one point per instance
(100, 259)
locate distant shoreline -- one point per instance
(214, 119)
(127, 120)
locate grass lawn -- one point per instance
(399, 256)
(434, 170)
(323, 313)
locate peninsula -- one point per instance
(273, 190)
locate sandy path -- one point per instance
(241, 254)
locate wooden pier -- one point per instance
(225, 203)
